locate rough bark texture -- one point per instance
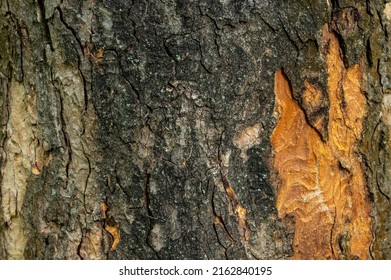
(195, 129)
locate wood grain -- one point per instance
(321, 184)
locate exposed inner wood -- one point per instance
(321, 184)
(240, 211)
(111, 227)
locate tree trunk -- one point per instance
(195, 129)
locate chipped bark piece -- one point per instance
(321, 184)
(111, 226)
(247, 137)
(239, 211)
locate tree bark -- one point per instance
(195, 129)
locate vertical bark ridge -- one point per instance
(18, 163)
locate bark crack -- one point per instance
(85, 90)
(170, 54)
(267, 24)
(66, 139)
(288, 36)
(220, 222)
(134, 89)
(80, 245)
(42, 18)
(149, 213)
(380, 75)
(71, 29)
(237, 208)
(86, 182)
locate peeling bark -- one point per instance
(322, 182)
(147, 129)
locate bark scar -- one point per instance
(322, 183)
(111, 226)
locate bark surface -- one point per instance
(195, 129)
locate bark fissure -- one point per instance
(67, 143)
(218, 221)
(86, 182)
(72, 30)
(42, 18)
(79, 247)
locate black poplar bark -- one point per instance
(140, 129)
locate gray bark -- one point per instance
(149, 123)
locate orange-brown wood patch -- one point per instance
(111, 227)
(321, 183)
